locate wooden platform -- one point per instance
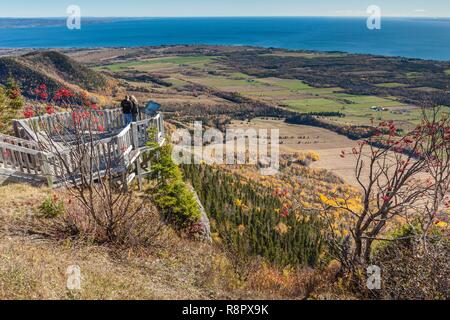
(23, 160)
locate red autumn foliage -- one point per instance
(41, 92)
(28, 112)
(63, 93)
(49, 109)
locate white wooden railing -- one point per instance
(21, 159)
(140, 130)
(23, 154)
(111, 120)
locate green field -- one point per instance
(357, 109)
(267, 94)
(176, 83)
(391, 85)
(224, 83)
(286, 83)
(158, 63)
(405, 120)
(413, 75)
(238, 75)
(307, 55)
(368, 101)
(314, 105)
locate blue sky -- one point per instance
(177, 8)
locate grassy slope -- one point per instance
(32, 267)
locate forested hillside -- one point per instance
(251, 221)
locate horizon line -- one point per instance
(237, 16)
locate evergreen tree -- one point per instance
(170, 193)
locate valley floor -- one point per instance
(300, 138)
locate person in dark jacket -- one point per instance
(127, 110)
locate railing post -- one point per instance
(161, 119)
(139, 171)
(134, 135)
(46, 168)
(16, 128)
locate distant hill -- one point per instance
(55, 70)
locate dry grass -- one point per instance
(33, 266)
(36, 269)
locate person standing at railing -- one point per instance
(135, 109)
(127, 109)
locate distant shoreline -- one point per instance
(225, 17)
(32, 22)
(21, 51)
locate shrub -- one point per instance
(305, 159)
(51, 207)
(313, 155)
(409, 274)
(136, 223)
(130, 224)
